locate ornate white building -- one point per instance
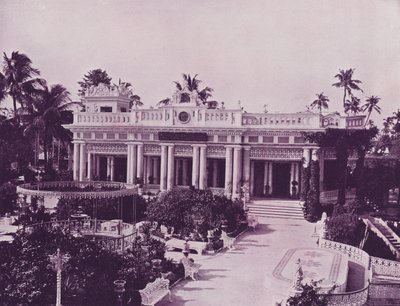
(187, 144)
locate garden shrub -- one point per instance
(312, 205)
(345, 228)
(195, 211)
(27, 279)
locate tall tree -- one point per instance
(192, 84)
(347, 82)
(18, 78)
(370, 106)
(93, 78)
(352, 105)
(48, 110)
(321, 102)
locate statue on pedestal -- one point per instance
(298, 276)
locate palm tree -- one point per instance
(352, 105)
(47, 111)
(346, 81)
(370, 106)
(18, 77)
(321, 102)
(192, 84)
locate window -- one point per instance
(123, 110)
(222, 138)
(210, 138)
(284, 139)
(98, 135)
(105, 109)
(268, 139)
(110, 136)
(299, 139)
(253, 138)
(123, 136)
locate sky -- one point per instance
(275, 52)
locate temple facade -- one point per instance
(188, 144)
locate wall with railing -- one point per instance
(387, 271)
(113, 235)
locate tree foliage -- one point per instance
(345, 228)
(190, 210)
(26, 277)
(93, 78)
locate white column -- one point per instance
(133, 169)
(148, 169)
(170, 174)
(140, 166)
(163, 170)
(195, 167)
(112, 164)
(215, 173)
(128, 164)
(82, 162)
(306, 157)
(156, 170)
(76, 161)
(270, 183)
(177, 167)
(252, 165)
(228, 169)
(98, 167)
(237, 171)
(203, 168)
(89, 165)
(246, 166)
(297, 176)
(185, 172)
(266, 169)
(108, 167)
(291, 178)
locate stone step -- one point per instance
(383, 302)
(283, 209)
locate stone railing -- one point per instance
(385, 267)
(352, 252)
(217, 191)
(112, 235)
(305, 120)
(355, 298)
(97, 118)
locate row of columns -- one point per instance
(164, 170)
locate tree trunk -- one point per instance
(366, 120)
(360, 176)
(344, 98)
(342, 156)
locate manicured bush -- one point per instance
(191, 211)
(345, 228)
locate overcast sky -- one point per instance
(279, 53)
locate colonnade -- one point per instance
(169, 170)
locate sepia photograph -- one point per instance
(199, 153)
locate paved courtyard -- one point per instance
(237, 276)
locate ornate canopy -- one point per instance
(77, 190)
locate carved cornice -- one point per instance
(276, 153)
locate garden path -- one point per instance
(236, 277)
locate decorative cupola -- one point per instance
(107, 98)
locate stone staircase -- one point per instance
(276, 208)
(383, 302)
(387, 235)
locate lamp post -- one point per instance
(58, 264)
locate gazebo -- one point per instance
(113, 234)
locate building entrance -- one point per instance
(281, 179)
(259, 188)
